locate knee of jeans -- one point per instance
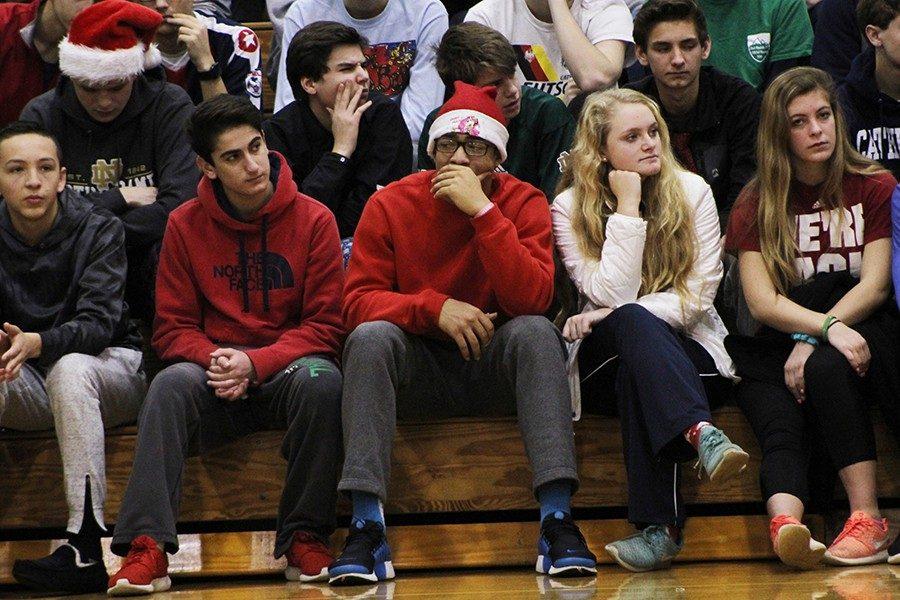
(72, 374)
(317, 395)
(825, 364)
(372, 337)
(533, 329)
(632, 314)
(168, 389)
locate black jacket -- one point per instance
(873, 118)
(69, 287)
(144, 146)
(383, 154)
(723, 132)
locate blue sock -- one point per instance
(555, 496)
(367, 507)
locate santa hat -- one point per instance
(472, 110)
(110, 41)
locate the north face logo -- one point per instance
(758, 45)
(278, 274)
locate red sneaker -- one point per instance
(308, 558)
(793, 543)
(144, 570)
(864, 541)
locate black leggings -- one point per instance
(835, 415)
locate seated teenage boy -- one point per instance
(248, 295)
(451, 327)
(68, 359)
(540, 126)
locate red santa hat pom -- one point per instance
(472, 110)
(110, 41)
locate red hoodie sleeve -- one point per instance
(516, 252)
(320, 328)
(372, 279)
(177, 332)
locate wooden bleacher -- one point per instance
(460, 492)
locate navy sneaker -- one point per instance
(562, 551)
(365, 558)
(62, 571)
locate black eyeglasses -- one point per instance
(471, 146)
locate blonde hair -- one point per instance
(671, 245)
(776, 222)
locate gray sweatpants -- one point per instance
(78, 395)
(182, 417)
(391, 374)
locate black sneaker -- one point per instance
(562, 551)
(365, 558)
(894, 552)
(62, 571)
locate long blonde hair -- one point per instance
(671, 245)
(775, 219)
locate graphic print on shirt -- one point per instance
(829, 242)
(110, 173)
(538, 69)
(758, 46)
(278, 275)
(879, 143)
(389, 65)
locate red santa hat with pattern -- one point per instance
(110, 40)
(474, 111)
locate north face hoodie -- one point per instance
(272, 283)
(144, 146)
(873, 118)
(70, 286)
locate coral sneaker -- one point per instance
(308, 558)
(794, 544)
(144, 570)
(863, 541)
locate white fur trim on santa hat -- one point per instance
(471, 122)
(96, 66)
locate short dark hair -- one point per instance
(879, 13)
(468, 48)
(663, 11)
(215, 116)
(29, 128)
(308, 52)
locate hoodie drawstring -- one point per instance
(242, 258)
(265, 263)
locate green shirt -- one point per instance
(541, 131)
(747, 35)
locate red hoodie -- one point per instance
(209, 288)
(411, 252)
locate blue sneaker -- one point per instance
(721, 458)
(562, 551)
(365, 558)
(646, 550)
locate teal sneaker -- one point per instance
(646, 550)
(721, 458)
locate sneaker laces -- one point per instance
(141, 552)
(857, 525)
(562, 530)
(363, 541)
(710, 441)
(657, 536)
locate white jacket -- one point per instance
(614, 278)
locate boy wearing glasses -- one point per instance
(451, 270)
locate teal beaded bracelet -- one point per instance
(805, 337)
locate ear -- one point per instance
(61, 184)
(707, 48)
(873, 34)
(206, 168)
(308, 85)
(641, 55)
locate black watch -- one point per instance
(214, 72)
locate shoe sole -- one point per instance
(794, 547)
(733, 462)
(295, 574)
(363, 578)
(894, 560)
(614, 552)
(566, 571)
(873, 559)
(124, 587)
